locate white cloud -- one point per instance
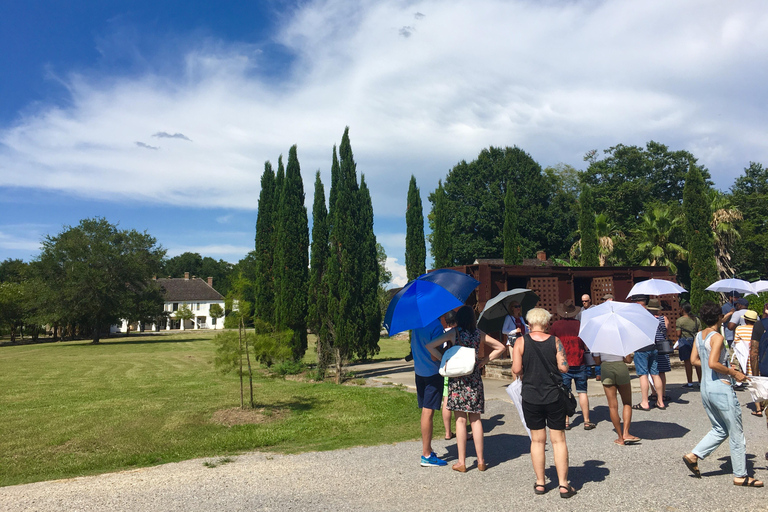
(555, 78)
(399, 275)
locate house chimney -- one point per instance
(186, 276)
(541, 256)
(210, 282)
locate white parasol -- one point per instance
(617, 328)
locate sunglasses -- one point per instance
(516, 307)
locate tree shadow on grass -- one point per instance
(379, 371)
(116, 342)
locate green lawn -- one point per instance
(72, 408)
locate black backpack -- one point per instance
(763, 349)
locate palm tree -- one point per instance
(655, 230)
(723, 224)
(607, 233)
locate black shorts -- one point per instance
(429, 391)
(537, 416)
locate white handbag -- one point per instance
(458, 361)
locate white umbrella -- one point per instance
(760, 286)
(617, 328)
(731, 285)
(655, 287)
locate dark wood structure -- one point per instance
(555, 284)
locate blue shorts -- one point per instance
(684, 351)
(645, 363)
(429, 391)
(578, 374)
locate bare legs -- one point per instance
(461, 436)
(447, 418)
(689, 371)
(426, 431)
(645, 388)
(584, 404)
(559, 449)
(625, 390)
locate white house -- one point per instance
(197, 294)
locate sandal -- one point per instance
(639, 407)
(453, 434)
(569, 491)
(757, 413)
(693, 467)
(631, 440)
(749, 482)
(589, 425)
(536, 488)
(567, 424)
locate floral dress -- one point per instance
(465, 394)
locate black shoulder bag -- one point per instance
(566, 396)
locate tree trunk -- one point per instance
(248, 358)
(55, 332)
(96, 334)
(240, 347)
(339, 366)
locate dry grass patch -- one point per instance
(238, 416)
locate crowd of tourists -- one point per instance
(548, 355)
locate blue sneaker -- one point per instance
(432, 460)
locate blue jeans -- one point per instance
(722, 407)
(645, 363)
(577, 374)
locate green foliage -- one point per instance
(385, 277)
(563, 209)
(199, 266)
(512, 248)
(724, 220)
(368, 343)
(184, 313)
(95, 270)
(264, 292)
(216, 311)
(317, 310)
(229, 352)
(270, 345)
(750, 195)
(476, 193)
(588, 229)
(439, 223)
(12, 270)
(145, 305)
(292, 258)
(288, 368)
(415, 244)
(698, 233)
(655, 234)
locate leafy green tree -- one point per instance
(655, 233)
(588, 229)
(216, 312)
(440, 237)
(199, 266)
(563, 209)
(12, 270)
(607, 233)
(724, 220)
(95, 268)
(184, 314)
(263, 283)
(415, 244)
(512, 254)
(368, 344)
(476, 193)
(318, 286)
(750, 195)
(145, 305)
(292, 258)
(12, 308)
(385, 277)
(699, 237)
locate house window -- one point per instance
(213, 320)
(175, 306)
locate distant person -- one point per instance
(663, 363)
(537, 357)
(728, 309)
(743, 334)
(429, 387)
(758, 350)
(687, 326)
(466, 396)
(449, 320)
(514, 325)
(646, 365)
(566, 329)
(737, 317)
(719, 399)
(616, 380)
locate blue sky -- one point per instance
(159, 115)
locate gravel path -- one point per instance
(648, 476)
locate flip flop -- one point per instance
(757, 413)
(632, 440)
(693, 467)
(452, 436)
(639, 407)
(620, 443)
(749, 482)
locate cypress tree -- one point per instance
(292, 258)
(440, 237)
(512, 255)
(318, 286)
(264, 304)
(415, 244)
(701, 244)
(588, 229)
(335, 172)
(368, 344)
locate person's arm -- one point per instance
(597, 359)
(517, 360)
(496, 349)
(714, 359)
(695, 360)
(731, 325)
(562, 362)
(432, 345)
(754, 350)
(666, 323)
(628, 358)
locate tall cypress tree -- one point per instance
(318, 286)
(291, 258)
(264, 306)
(440, 237)
(415, 244)
(701, 244)
(588, 229)
(512, 254)
(368, 343)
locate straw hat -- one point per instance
(568, 309)
(653, 305)
(750, 315)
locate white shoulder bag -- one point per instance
(457, 362)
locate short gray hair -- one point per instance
(538, 316)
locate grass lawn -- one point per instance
(72, 408)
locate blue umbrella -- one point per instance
(426, 298)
